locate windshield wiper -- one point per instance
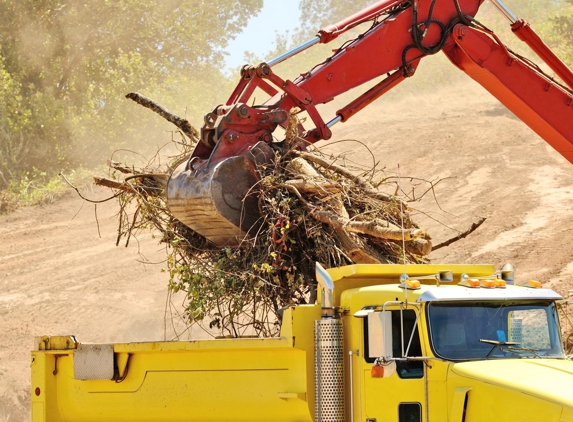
(522, 349)
(497, 344)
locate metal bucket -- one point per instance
(217, 200)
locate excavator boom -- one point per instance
(530, 94)
(213, 193)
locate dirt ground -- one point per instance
(59, 276)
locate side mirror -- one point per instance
(380, 343)
(380, 334)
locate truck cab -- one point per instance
(468, 346)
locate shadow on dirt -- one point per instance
(499, 111)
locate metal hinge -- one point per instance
(55, 343)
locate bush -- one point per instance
(8, 202)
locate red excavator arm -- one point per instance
(209, 193)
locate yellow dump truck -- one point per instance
(384, 343)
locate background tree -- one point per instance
(563, 33)
(66, 66)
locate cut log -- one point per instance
(314, 187)
(113, 184)
(375, 228)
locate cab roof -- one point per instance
(381, 279)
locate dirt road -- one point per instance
(58, 276)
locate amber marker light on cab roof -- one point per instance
(500, 284)
(488, 284)
(531, 283)
(410, 284)
(468, 282)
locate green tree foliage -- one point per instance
(539, 14)
(551, 20)
(316, 14)
(66, 66)
(563, 33)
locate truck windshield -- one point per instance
(494, 330)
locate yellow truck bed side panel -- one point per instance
(178, 381)
(208, 380)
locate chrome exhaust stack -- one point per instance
(328, 356)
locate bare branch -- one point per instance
(126, 187)
(469, 231)
(181, 123)
(83, 197)
(367, 187)
(119, 167)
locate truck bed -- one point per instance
(208, 380)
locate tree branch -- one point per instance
(473, 228)
(360, 181)
(181, 123)
(126, 187)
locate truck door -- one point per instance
(399, 396)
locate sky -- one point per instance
(260, 32)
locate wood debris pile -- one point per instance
(314, 208)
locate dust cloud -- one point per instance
(59, 277)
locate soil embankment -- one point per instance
(58, 276)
